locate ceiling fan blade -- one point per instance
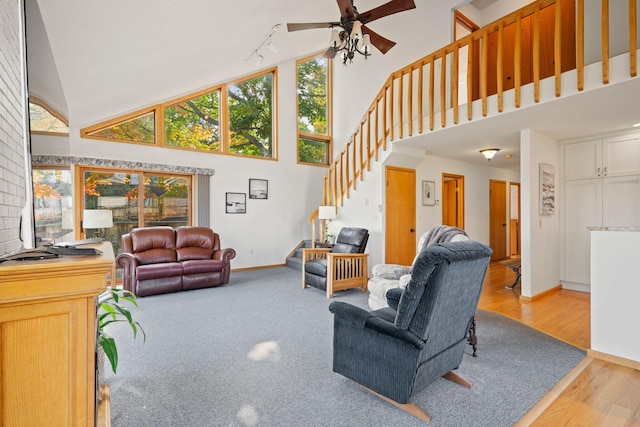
(346, 9)
(329, 54)
(310, 25)
(394, 6)
(383, 45)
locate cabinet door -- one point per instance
(583, 160)
(583, 208)
(621, 201)
(621, 155)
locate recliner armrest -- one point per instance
(366, 320)
(225, 255)
(393, 297)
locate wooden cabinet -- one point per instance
(47, 339)
(602, 188)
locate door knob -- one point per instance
(413, 230)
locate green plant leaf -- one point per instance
(108, 344)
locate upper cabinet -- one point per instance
(614, 156)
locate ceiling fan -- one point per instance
(355, 36)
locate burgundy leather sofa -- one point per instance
(161, 259)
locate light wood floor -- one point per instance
(595, 393)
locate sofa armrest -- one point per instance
(225, 255)
(128, 263)
(390, 271)
(364, 319)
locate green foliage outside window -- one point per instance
(139, 129)
(194, 123)
(251, 117)
(312, 95)
(313, 151)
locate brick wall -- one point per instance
(12, 162)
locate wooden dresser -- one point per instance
(47, 339)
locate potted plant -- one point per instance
(111, 309)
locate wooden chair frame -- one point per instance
(344, 270)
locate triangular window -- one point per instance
(139, 128)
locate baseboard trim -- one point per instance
(258, 267)
(553, 394)
(541, 294)
(633, 364)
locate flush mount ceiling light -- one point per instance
(488, 153)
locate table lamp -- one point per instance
(97, 219)
(326, 214)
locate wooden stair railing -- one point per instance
(400, 104)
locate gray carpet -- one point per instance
(257, 352)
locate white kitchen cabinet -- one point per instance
(602, 189)
(609, 157)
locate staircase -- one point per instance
(294, 260)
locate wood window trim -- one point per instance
(158, 114)
(328, 139)
(78, 190)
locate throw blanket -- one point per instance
(442, 233)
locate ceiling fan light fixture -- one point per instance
(335, 41)
(366, 44)
(356, 31)
(488, 153)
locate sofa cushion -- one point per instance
(154, 245)
(158, 271)
(202, 266)
(193, 243)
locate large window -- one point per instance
(136, 199)
(52, 205)
(234, 118)
(314, 110)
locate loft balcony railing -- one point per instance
(543, 39)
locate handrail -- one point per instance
(391, 111)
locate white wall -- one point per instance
(540, 234)
(271, 228)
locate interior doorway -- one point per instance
(498, 219)
(514, 218)
(400, 215)
(453, 200)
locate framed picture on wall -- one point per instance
(236, 203)
(258, 188)
(428, 193)
(547, 189)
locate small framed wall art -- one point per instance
(258, 188)
(236, 203)
(428, 193)
(547, 189)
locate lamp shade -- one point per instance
(327, 212)
(97, 218)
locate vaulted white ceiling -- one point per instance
(97, 59)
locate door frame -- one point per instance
(459, 194)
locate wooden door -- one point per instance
(400, 215)
(498, 219)
(453, 200)
(514, 232)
